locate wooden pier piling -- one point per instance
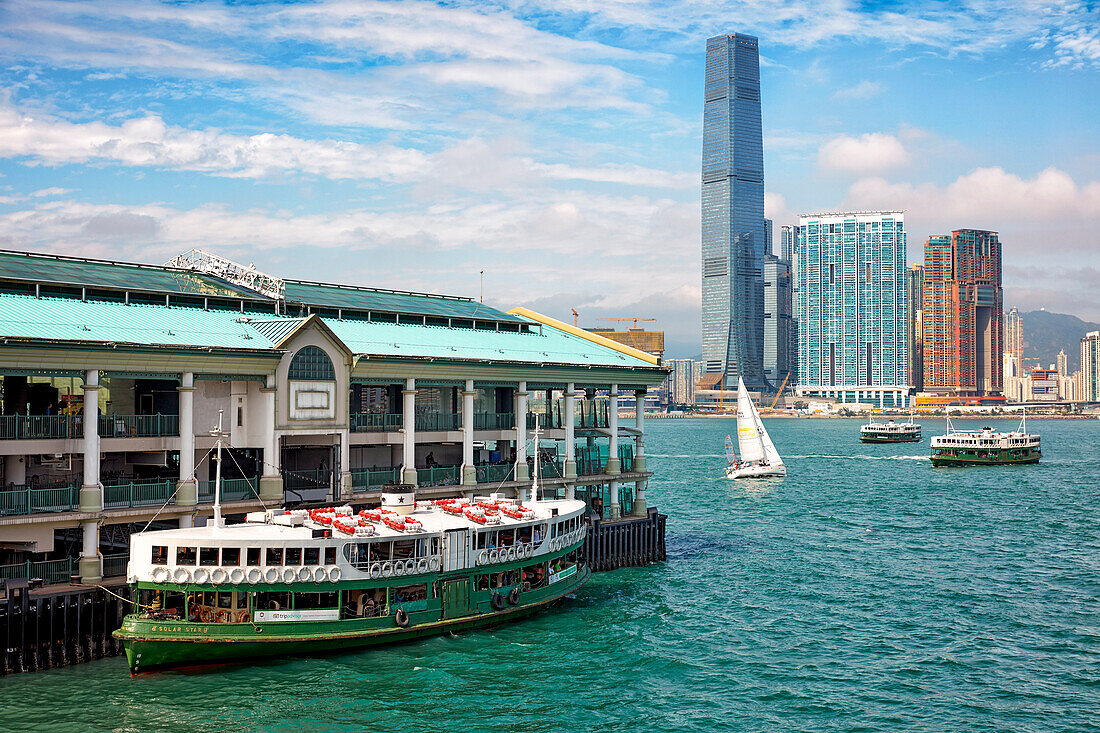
(625, 542)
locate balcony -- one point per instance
(61, 571)
(592, 462)
(494, 473)
(138, 426)
(374, 478)
(129, 494)
(426, 421)
(494, 421)
(439, 476)
(40, 427)
(233, 489)
(375, 422)
(21, 500)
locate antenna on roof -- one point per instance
(249, 277)
(482, 299)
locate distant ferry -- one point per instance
(985, 447)
(889, 432)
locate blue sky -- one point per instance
(554, 145)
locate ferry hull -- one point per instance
(162, 645)
(876, 438)
(1006, 460)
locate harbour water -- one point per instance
(865, 591)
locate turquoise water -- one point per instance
(866, 591)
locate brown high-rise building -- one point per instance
(962, 314)
(914, 300)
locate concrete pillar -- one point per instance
(345, 465)
(408, 454)
(469, 472)
(640, 508)
(614, 511)
(187, 490)
(570, 432)
(91, 492)
(91, 562)
(613, 427)
(271, 478)
(522, 474)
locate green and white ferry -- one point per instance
(889, 432)
(985, 447)
(303, 581)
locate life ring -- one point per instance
(497, 601)
(289, 575)
(494, 555)
(376, 570)
(334, 574)
(206, 615)
(221, 617)
(160, 574)
(201, 575)
(513, 553)
(218, 576)
(402, 618)
(433, 564)
(272, 575)
(387, 569)
(254, 575)
(482, 557)
(410, 567)
(421, 565)
(529, 549)
(513, 596)
(319, 574)
(305, 574)
(241, 617)
(236, 575)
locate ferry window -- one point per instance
(540, 532)
(381, 551)
(524, 534)
(208, 556)
(161, 604)
(409, 593)
(507, 537)
(306, 601)
(481, 540)
(225, 600)
(403, 550)
(271, 601)
(483, 582)
(253, 556)
(185, 556)
(330, 556)
(231, 556)
(312, 556)
(435, 545)
(294, 556)
(274, 556)
(160, 555)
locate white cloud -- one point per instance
(864, 90)
(871, 152)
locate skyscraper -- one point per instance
(852, 307)
(769, 247)
(733, 241)
(963, 316)
(777, 319)
(1014, 336)
(1090, 367)
(788, 237)
(914, 296)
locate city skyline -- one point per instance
(553, 147)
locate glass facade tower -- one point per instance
(733, 237)
(852, 320)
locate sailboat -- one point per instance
(758, 454)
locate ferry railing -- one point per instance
(137, 493)
(49, 571)
(138, 426)
(439, 476)
(375, 422)
(494, 421)
(22, 499)
(438, 421)
(494, 473)
(233, 489)
(366, 479)
(114, 566)
(40, 427)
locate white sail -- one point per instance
(770, 453)
(749, 442)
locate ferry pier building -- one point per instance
(113, 376)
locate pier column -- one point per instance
(640, 508)
(187, 489)
(469, 472)
(570, 398)
(522, 473)
(613, 427)
(91, 562)
(408, 421)
(345, 465)
(615, 510)
(271, 478)
(91, 492)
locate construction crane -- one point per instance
(633, 321)
(575, 316)
(779, 393)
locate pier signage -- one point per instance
(313, 614)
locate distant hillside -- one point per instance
(1046, 333)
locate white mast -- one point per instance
(217, 432)
(535, 479)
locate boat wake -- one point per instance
(863, 457)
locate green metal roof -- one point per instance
(78, 272)
(69, 319)
(368, 299)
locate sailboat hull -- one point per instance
(755, 471)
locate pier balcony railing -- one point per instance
(138, 426)
(114, 566)
(375, 422)
(40, 427)
(365, 479)
(547, 420)
(439, 476)
(49, 571)
(128, 494)
(494, 473)
(600, 495)
(233, 489)
(20, 499)
(426, 421)
(307, 479)
(593, 461)
(494, 421)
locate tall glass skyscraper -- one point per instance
(734, 242)
(852, 308)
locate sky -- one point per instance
(543, 152)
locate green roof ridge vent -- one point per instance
(199, 260)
